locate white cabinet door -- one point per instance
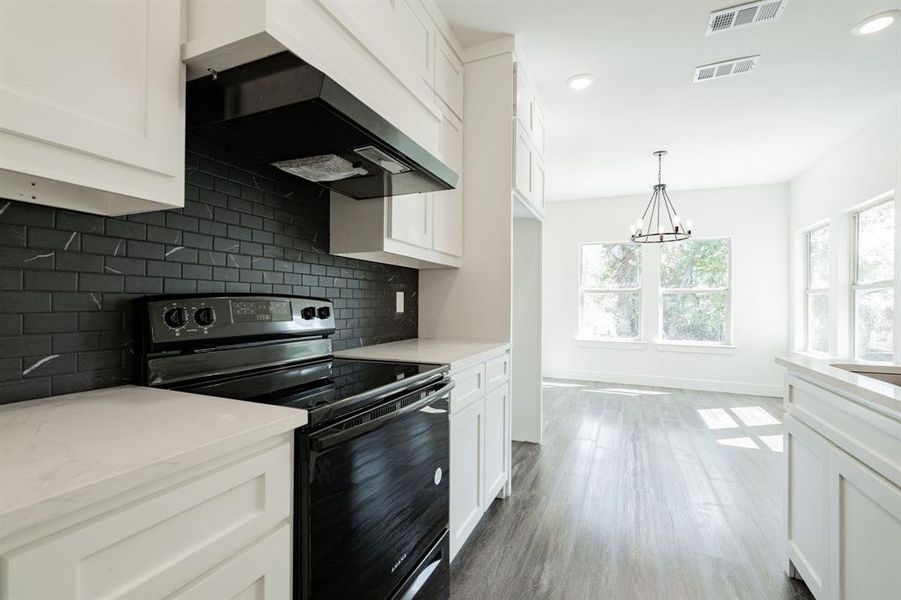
(152, 547)
(448, 76)
(448, 205)
(537, 183)
(399, 33)
(261, 572)
(538, 131)
(524, 98)
(416, 50)
(496, 406)
(865, 530)
(807, 512)
(411, 219)
(467, 434)
(92, 94)
(522, 164)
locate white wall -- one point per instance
(755, 217)
(526, 418)
(473, 302)
(865, 167)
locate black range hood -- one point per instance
(284, 112)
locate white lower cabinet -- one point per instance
(224, 532)
(467, 432)
(496, 406)
(261, 572)
(807, 518)
(479, 443)
(843, 518)
(865, 531)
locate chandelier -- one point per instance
(660, 221)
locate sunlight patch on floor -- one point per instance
(717, 418)
(773, 442)
(739, 442)
(754, 416)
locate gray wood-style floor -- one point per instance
(638, 492)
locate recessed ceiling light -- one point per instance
(876, 22)
(580, 81)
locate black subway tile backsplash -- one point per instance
(68, 279)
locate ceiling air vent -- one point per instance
(745, 14)
(726, 68)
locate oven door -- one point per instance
(376, 496)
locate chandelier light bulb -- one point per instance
(688, 224)
(632, 229)
(677, 220)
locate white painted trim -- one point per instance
(484, 50)
(696, 348)
(611, 344)
(707, 385)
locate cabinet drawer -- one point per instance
(497, 370)
(154, 546)
(261, 572)
(469, 386)
(869, 436)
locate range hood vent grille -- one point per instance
(726, 68)
(752, 13)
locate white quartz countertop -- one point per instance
(62, 453)
(444, 351)
(880, 395)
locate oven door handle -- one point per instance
(421, 579)
(319, 444)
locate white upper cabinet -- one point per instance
(538, 130)
(447, 211)
(528, 146)
(537, 182)
(399, 33)
(92, 104)
(522, 166)
(448, 76)
(396, 56)
(411, 219)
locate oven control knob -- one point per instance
(176, 318)
(308, 312)
(323, 312)
(205, 316)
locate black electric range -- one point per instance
(372, 463)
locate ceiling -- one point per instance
(815, 85)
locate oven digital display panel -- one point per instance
(256, 311)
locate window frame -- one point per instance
(811, 291)
(582, 336)
(883, 284)
(661, 290)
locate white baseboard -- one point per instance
(707, 385)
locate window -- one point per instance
(817, 289)
(872, 290)
(695, 302)
(610, 292)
